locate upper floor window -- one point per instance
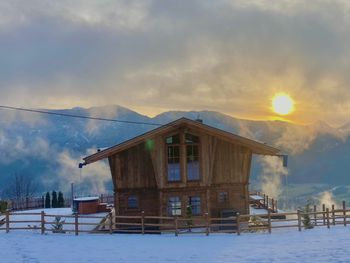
(192, 157)
(173, 152)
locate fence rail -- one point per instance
(326, 217)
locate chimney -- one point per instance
(199, 120)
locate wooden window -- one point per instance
(132, 202)
(192, 157)
(173, 151)
(174, 206)
(223, 197)
(195, 203)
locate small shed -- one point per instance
(86, 205)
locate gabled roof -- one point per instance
(254, 146)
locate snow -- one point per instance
(315, 245)
(91, 198)
(256, 197)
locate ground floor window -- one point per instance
(174, 206)
(195, 203)
(132, 202)
(223, 197)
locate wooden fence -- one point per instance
(177, 225)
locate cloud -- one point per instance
(227, 55)
(91, 179)
(271, 176)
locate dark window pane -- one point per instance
(192, 162)
(191, 138)
(223, 197)
(195, 203)
(174, 139)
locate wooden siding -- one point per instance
(133, 169)
(142, 170)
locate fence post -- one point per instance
(207, 224)
(42, 222)
(315, 216)
(143, 222)
(267, 202)
(176, 230)
(76, 224)
(264, 200)
(344, 212)
(269, 220)
(110, 223)
(238, 222)
(299, 220)
(333, 215)
(324, 214)
(327, 212)
(7, 218)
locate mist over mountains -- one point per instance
(49, 148)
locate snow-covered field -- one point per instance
(315, 245)
(63, 212)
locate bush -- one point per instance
(57, 226)
(306, 217)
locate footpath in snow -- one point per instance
(316, 245)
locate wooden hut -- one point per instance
(182, 163)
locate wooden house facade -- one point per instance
(183, 163)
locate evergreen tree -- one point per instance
(54, 199)
(306, 217)
(47, 200)
(189, 217)
(60, 201)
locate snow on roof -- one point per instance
(89, 198)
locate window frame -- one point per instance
(223, 201)
(198, 204)
(171, 209)
(167, 146)
(137, 202)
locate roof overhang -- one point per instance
(255, 146)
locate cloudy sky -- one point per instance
(225, 55)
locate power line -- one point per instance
(77, 116)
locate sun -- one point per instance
(282, 104)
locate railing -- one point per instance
(266, 202)
(177, 225)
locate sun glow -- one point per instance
(282, 104)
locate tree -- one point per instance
(54, 199)
(20, 187)
(306, 217)
(189, 217)
(47, 200)
(60, 201)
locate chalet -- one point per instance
(182, 163)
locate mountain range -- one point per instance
(48, 148)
